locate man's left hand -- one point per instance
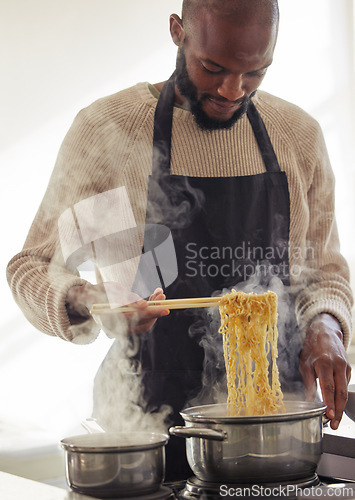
(324, 357)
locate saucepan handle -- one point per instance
(198, 432)
(325, 420)
(91, 426)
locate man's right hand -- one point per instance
(81, 298)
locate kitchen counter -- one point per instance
(15, 488)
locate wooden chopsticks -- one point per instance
(158, 304)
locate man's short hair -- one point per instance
(264, 12)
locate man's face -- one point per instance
(220, 65)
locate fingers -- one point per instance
(333, 380)
(324, 354)
(142, 321)
(341, 397)
(310, 381)
(144, 317)
(146, 325)
(325, 375)
(158, 294)
(116, 325)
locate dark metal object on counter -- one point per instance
(111, 465)
(253, 449)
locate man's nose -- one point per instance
(231, 88)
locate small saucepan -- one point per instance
(114, 465)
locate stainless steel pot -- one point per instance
(253, 449)
(115, 465)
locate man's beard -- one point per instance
(189, 91)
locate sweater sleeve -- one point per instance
(38, 276)
(324, 285)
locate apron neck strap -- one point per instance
(263, 139)
(163, 124)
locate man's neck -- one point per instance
(179, 99)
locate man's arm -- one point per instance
(324, 300)
(37, 276)
(81, 298)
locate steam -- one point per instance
(173, 200)
(205, 330)
(105, 230)
(100, 236)
(115, 247)
(90, 231)
(119, 404)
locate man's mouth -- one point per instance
(224, 107)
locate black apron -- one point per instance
(222, 228)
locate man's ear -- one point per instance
(176, 30)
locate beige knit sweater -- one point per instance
(110, 145)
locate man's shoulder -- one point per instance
(276, 108)
(122, 104)
(289, 124)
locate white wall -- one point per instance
(58, 57)
(314, 68)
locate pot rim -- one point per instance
(114, 442)
(306, 409)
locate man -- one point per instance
(234, 170)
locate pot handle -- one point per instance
(198, 432)
(325, 420)
(91, 426)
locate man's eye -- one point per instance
(256, 74)
(211, 70)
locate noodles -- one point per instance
(248, 325)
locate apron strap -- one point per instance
(163, 124)
(263, 139)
